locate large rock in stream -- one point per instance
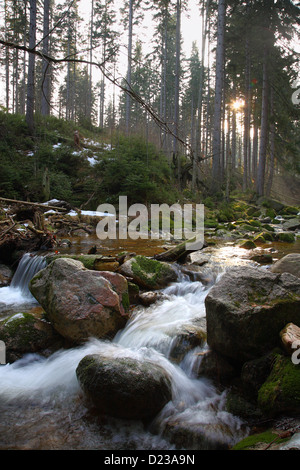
(81, 303)
(124, 387)
(288, 264)
(149, 273)
(247, 309)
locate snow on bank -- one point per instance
(91, 213)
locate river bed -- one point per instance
(43, 408)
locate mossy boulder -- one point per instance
(26, 333)
(124, 387)
(79, 302)
(149, 273)
(247, 244)
(291, 210)
(280, 393)
(287, 237)
(259, 239)
(246, 310)
(248, 228)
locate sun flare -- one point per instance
(237, 105)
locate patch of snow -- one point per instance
(49, 203)
(92, 160)
(92, 213)
(50, 212)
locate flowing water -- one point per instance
(17, 295)
(42, 405)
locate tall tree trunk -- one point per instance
(176, 98)
(260, 186)
(163, 85)
(255, 141)
(128, 99)
(45, 100)
(247, 110)
(7, 58)
(198, 136)
(272, 146)
(89, 103)
(31, 69)
(216, 147)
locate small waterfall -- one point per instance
(18, 292)
(29, 265)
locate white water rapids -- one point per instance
(42, 406)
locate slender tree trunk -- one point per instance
(163, 88)
(89, 104)
(177, 85)
(23, 97)
(272, 146)
(228, 158)
(260, 186)
(254, 143)
(246, 171)
(128, 99)
(31, 69)
(216, 148)
(45, 100)
(7, 59)
(198, 136)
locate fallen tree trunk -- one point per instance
(36, 204)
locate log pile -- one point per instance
(20, 236)
(22, 229)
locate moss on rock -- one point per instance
(286, 237)
(257, 441)
(281, 391)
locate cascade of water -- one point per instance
(18, 291)
(29, 265)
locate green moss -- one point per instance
(271, 213)
(286, 237)
(248, 228)
(18, 330)
(254, 223)
(290, 210)
(210, 223)
(281, 391)
(255, 439)
(259, 239)
(125, 301)
(268, 227)
(247, 244)
(149, 270)
(257, 296)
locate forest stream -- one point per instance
(41, 403)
